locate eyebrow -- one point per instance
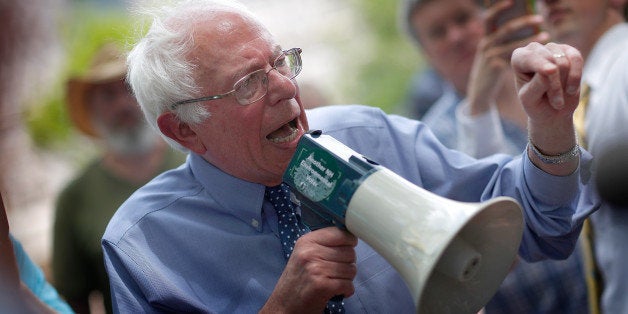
(250, 67)
(278, 51)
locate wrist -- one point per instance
(555, 159)
(552, 138)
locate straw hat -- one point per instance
(108, 65)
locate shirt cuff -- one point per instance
(480, 135)
(549, 189)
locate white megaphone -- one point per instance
(452, 255)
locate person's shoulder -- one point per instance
(344, 108)
(156, 196)
(345, 116)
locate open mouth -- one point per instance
(285, 133)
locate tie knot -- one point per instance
(278, 195)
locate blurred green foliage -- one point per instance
(84, 29)
(384, 79)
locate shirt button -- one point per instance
(254, 223)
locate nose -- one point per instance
(455, 33)
(280, 86)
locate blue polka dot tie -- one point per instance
(290, 229)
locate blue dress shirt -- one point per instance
(196, 239)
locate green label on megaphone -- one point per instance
(324, 175)
(317, 174)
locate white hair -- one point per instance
(158, 71)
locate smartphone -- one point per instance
(519, 8)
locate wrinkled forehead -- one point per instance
(226, 33)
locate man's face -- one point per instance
(449, 31)
(118, 120)
(254, 142)
(574, 22)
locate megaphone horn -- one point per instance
(452, 255)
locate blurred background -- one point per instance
(353, 52)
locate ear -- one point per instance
(180, 132)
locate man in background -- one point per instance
(459, 41)
(599, 30)
(102, 107)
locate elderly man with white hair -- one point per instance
(205, 238)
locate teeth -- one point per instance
(288, 138)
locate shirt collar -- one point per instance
(237, 197)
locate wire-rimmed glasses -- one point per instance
(253, 86)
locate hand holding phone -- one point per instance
(518, 9)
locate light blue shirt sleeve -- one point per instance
(554, 207)
(34, 279)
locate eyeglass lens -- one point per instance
(254, 86)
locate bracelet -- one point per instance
(555, 159)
